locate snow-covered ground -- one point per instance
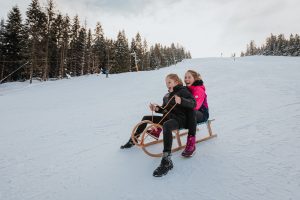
(60, 140)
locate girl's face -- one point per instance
(170, 83)
(188, 79)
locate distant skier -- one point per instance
(195, 85)
(233, 56)
(105, 71)
(176, 119)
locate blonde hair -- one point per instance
(175, 77)
(195, 75)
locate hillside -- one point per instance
(60, 140)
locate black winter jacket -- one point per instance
(179, 112)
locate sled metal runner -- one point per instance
(142, 143)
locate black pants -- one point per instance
(169, 125)
(195, 117)
(201, 116)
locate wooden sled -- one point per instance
(145, 141)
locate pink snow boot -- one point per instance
(190, 146)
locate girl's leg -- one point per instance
(191, 122)
(169, 126)
(200, 116)
(190, 147)
(166, 163)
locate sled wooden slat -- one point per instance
(178, 136)
(176, 148)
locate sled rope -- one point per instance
(167, 113)
(164, 108)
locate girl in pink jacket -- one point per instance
(194, 83)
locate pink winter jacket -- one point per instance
(198, 91)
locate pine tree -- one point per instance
(132, 52)
(81, 48)
(251, 49)
(36, 23)
(297, 45)
(2, 60)
(178, 53)
(73, 51)
(157, 56)
(271, 45)
(289, 49)
(164, 56)
(111, 55)
(55, 44)
(146, 56)
(151, 58)
(139, 50)
(64, 47)
(13, 41)
(274, 44)
(49, 43)
(170, 55)
(122, 55)
(89, 52)
(188, 55)
(280, 45)
(173, 50)
(99, 48)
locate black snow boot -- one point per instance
(128, 145)
(165, 166)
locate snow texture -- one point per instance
(60, 139)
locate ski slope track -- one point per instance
(61, 140)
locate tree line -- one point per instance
(275, 46)
(50, 45)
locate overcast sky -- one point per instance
(206, 28)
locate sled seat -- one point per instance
(198, 124)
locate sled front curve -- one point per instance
(140, 141)
(177, 135)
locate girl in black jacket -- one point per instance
(176, 119)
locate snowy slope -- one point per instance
(60, 140)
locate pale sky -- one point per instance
(205, 28)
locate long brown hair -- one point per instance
(195, 75)
(175, 77)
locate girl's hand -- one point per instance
(152, 107)
(177, 99)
